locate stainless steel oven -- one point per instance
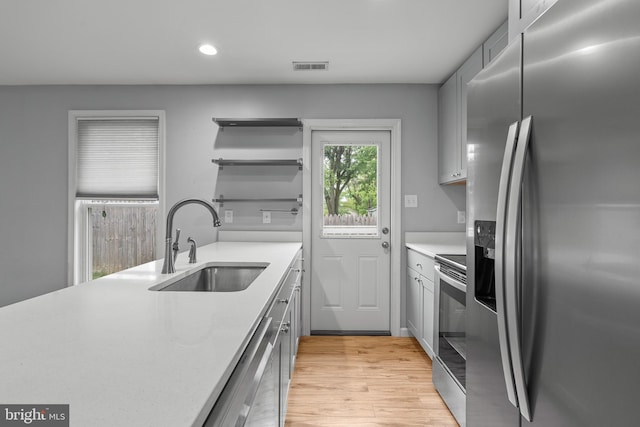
(449, 367)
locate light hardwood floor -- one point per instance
(364, 381)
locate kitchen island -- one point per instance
(122, 355)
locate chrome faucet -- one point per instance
(169, 260)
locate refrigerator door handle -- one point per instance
(512, 257)
(501, 217)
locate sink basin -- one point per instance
(216, 278)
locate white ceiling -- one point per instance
(155, 42)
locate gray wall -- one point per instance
(34, 141)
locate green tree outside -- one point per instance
(350, 179)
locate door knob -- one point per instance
(385, 230)
(385, 245)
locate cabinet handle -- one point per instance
(284, 301)
(419, 265)
(285, 327)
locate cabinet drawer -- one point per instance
(420, 263)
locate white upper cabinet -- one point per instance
(452, 109)
(448, 147)
(495, 43)
(522, 13)
(452, 121)
(465, 74)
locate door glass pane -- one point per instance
(122, 236)
(350, 201)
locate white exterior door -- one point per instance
(350, 261)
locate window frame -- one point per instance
(78, 243)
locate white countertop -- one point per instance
(432, 243)
(121, 355)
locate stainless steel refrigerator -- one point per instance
(553, 202)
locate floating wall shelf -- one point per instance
(276, 162)
(222, 200)
(269, 122)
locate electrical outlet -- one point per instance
(228, 216)
(266, 217)
(410, 200)
(462, 217)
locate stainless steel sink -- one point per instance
(216, 278)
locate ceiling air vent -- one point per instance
(309, 66)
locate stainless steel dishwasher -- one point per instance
(250, 397)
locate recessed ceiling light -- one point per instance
(207, 49)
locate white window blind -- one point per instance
(118, 158)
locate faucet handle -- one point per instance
(192, 250)
(175, 245)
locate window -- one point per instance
(350, 204)
(115, 191)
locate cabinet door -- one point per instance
(428, 313)
(465, 74)
(296, 323)
(495, 44)
(448, 131)
(285, 362)
(522, 13)
(414, 304)
(297, 314)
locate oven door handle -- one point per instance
(450, 280)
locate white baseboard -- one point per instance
(404, 332)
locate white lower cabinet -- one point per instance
(256, 394)
(288, 343)
(428, 305)
(285, 362)
(420, 299)
(289, 336)
(414, 302)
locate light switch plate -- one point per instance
(228, 216)
(410, 200)
(462, 217)
(266, 217)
